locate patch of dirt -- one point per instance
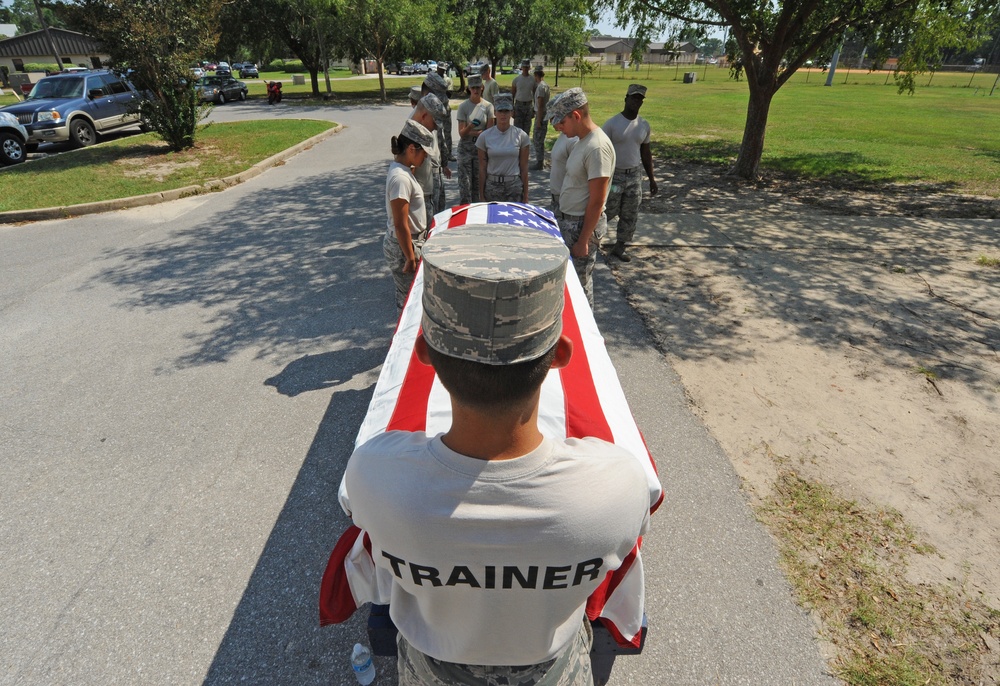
(696, 187)
(849, 334)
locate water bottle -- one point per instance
(361, 660)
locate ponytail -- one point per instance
(400, 144)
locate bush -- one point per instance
(274, 65)
(38, 66)
(294, 67)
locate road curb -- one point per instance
(210, 186)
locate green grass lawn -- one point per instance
(141, 164)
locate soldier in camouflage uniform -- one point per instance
(523, 90)
(542, 93)
(629, 133)
(436, 84)
(475, 115)
(487, 597)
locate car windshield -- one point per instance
(211, 81)
(57, 88)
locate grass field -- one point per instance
(140, 164)
(859, 129)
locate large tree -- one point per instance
(769, 41)
(157, 41)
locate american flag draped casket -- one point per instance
(583, 399)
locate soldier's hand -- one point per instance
(652, 188)
(580, 249)
(411, 265)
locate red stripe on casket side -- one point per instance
(410, 412)
(584, 414)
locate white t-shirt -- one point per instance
(592, 157)
(627, 135)
(492, 562)
(503, 149)
(560, 153)
(400, 183)
(469, 111)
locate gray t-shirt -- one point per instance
(469, 111)
(490, 89)
(560, 153)
(503, 149)
(592, 157)
(627, 135)
(525, 88)
(399, 183)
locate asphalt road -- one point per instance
(179, 391)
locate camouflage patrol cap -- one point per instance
(540, 70)
(415, 93)
(552, 103)
(434, 105)
(493, 293)
(475, 81)
(503, 102)
(573, 99)
(636, 89)
(525, 63)
(419, 134)
(435, 84)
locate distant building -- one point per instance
(610, 50)
(76, 49)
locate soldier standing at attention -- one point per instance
(490, 85)
(437, 85)
(475, 115)
(542, 93)
(480, 534)
(630, 135)
(428, 111)
(585, 186)
(523, 90)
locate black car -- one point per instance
(249, 71)
(219, 89)
(221, 71)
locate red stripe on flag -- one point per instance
(410, 412)
(458, 216)
(584, 414)
(336, 602)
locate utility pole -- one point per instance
(48, 35)
(835, 59)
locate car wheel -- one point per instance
(82, 133)
(243, 95)
(12, 150)
(222, 98)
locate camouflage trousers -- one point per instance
(571, 667)
(570, 228)
(624, 199)
(504, 188)
(523, 114)
(444, 133)
(468, 171)
(394, 256)
(538, 141)
(435, 202)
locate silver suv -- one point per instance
(13, 140)
(77, 107)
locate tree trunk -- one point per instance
(314, 75)
(752, 148)
(381, 78)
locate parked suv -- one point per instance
(13, 140)
(76, 108)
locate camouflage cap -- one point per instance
(435, 83)
(475, 81)
(552, 103)
(493, 293)
(503, 102)
(573, 99)
(415, 93)
(525, 63)
(636, 89)
(419, 134)
(485, 69)
(434, 105)
(540, 70)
